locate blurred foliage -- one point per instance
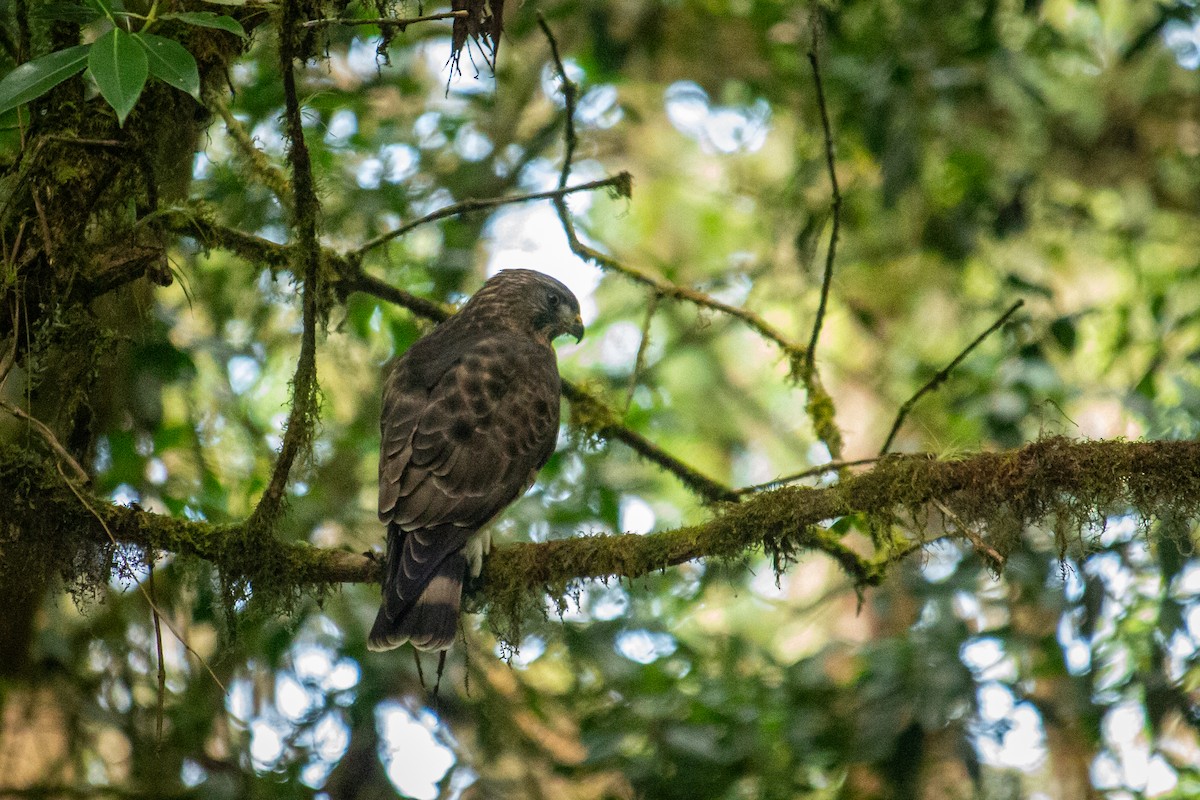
(986, 150)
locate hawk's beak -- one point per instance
(576, 329)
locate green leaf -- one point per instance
(119, 65)
(226, 2)
(34, 78)
(1063, 331)
(66, 12)
(207, 19)
(171, 62)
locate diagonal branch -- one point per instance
(663, 288)
(591, 414)
(940, 378)
(261, 165)
(386, 22)
(819, 405)
(835, 207)
(619, 183)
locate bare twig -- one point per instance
(153, 606)
(966, 530)
(639, 361)
(835, 208)
(943, 374)
(46, 236)
(10, 358)
(49, 437)
(819, 403)
(832, 466)
(111, 144)
(570, 91)
(158, 646)
(619, 183)
(662, 288)
(385, 22)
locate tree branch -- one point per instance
(590, 413)
(663, 288)
(938, 379)
(1072, 483)
(819, 404)
(386, 22)
(619, 183)
(261, 165)
(303, 413)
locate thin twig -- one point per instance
(617, 182)
(49, 437)
(385, 22)
(158, 645)
(663, 288)
(819, 405)
(835, 208)
(112, 144)
(352, 278)
(639, 361)
(10, 358)
(943, 374)
(154, 607)
(41, 212)
(832, 466)
(570, 91)
(980, 544)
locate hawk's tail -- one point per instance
(432, 622)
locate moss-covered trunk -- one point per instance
(81, 255)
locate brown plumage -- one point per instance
(470, 414)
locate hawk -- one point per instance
(470, 414)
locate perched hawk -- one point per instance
(470, 414)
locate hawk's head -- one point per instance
(530, 301)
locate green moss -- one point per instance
(1067, 486)
(48, 534)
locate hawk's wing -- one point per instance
(466, 426)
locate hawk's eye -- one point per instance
(553, 300)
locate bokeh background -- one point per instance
(987, 151)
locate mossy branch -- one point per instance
(590, 414)
(302, 417)
(820, 406)
(259, 162)
(1067, 484)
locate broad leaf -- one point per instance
(171, 62)
(208, 19)
(119, 65)
(34, 78)
(226, 2)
